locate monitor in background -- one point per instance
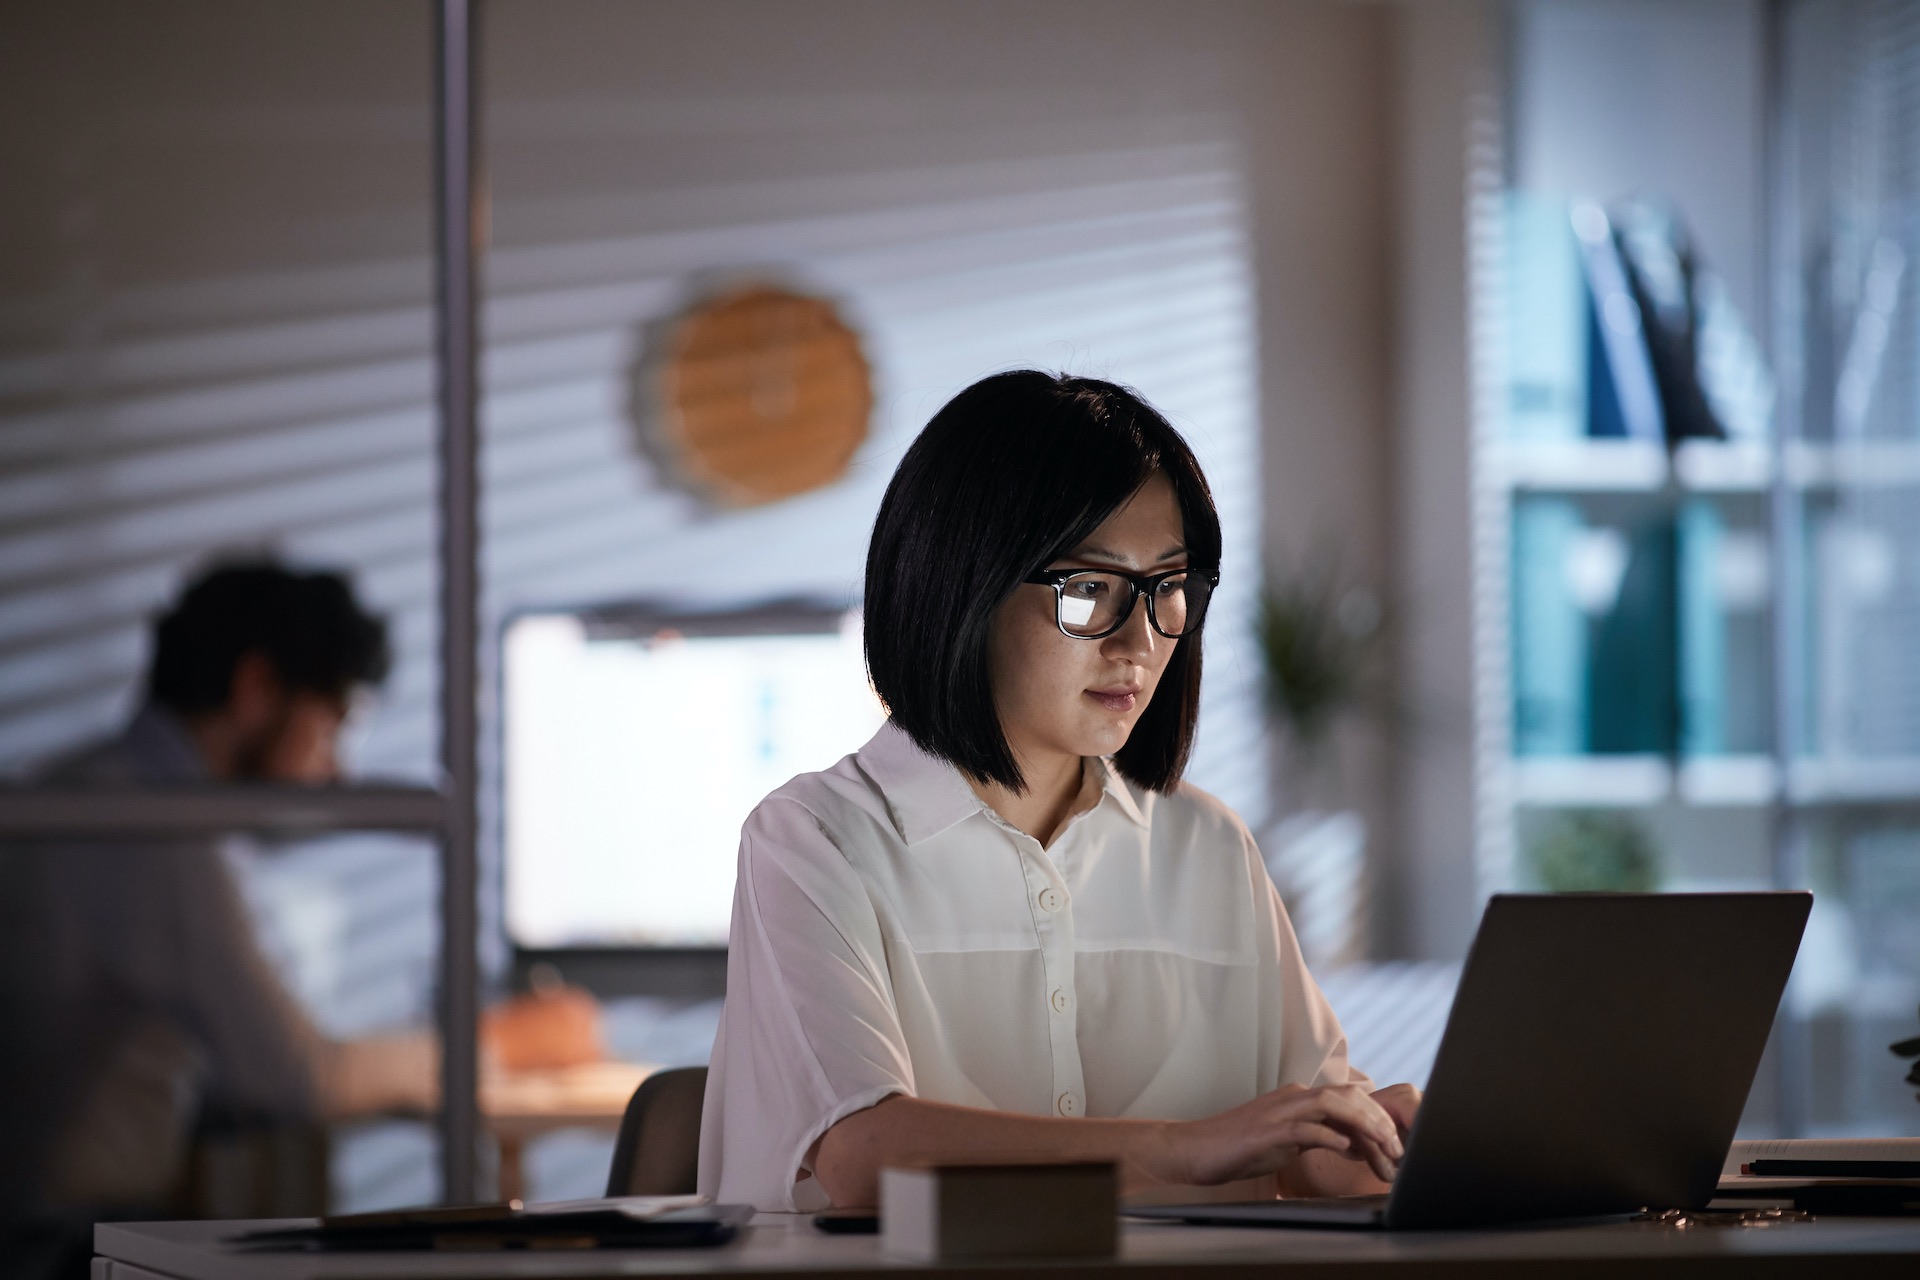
(637, 741)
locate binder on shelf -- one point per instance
(1549, 632)
(1632, 693)
(1700, 543)
(1547, 321)
(1623, 394)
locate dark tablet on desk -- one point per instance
(1596, 1061)
(621, 1223)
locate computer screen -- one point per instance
(637, 742)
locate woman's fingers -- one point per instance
(1271, 1131)
(1311, 1134)
(1402, 1102)
(1347, 1106)
(1373, 1135)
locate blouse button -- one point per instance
(1067, 1104)
(1052, 899)
(1060, 1001)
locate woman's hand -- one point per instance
(1267, 1135)
(1402, 1102)
(1271, 1132)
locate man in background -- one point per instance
(136, 1000)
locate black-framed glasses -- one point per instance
(1091, 603)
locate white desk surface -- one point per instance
(784, 1244)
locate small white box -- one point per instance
(949, 1212)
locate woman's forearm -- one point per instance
(1305, 1135)
(850, 1155)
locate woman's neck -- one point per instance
(1054, 783)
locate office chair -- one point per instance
(658, 1150)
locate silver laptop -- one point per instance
(1596, 1061)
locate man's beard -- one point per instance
(253, 756)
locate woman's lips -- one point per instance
(1120, 699)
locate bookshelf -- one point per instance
(1700, 619)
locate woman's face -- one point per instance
(1058, 695)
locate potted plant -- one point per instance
(1320, 639)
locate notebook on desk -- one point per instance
(624, 1222)
(1596, 1061)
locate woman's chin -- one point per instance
(1106, 736)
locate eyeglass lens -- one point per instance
(1093, 603)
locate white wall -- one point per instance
(1446, 59)
(1661, 98)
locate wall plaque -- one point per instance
(762, 394)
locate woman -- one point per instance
(1004, 927)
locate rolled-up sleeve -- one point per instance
(1301, 1034)
(810, 1033)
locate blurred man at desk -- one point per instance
(138, 1003)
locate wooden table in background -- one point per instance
(517, 1107)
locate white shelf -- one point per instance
(1727, 780)
(1603, 782)
(1701, 466)
(1633, 466)
(1733, 466)
(1732, 781)
(1855, 780)
(1866, 464)
(1582, 466)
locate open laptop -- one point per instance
(1596, 1061)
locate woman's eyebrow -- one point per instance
(1090, 552)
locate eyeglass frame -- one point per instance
(1142, 585)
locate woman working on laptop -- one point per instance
(1005, 928)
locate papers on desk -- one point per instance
(1869, 1176)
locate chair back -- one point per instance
(658, 1150)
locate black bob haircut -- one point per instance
(307, 625)
(1014, 473)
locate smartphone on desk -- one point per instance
(848, 1222)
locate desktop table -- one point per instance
(785, 1245)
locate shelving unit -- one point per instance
(1820, 785)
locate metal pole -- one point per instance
(96, 811)
(1782, 322)
(456, 201)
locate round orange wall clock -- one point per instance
(763, 394)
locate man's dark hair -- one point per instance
(1014, 473)
(307, 625)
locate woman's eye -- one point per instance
(1086, 588)
(1171, 586)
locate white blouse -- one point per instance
(892, 934)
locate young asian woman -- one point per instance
(1005, 928)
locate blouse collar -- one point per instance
(927, 795)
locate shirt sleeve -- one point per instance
(162, 930)
(809, 1033)
(1303, 1037)
(264, 1049)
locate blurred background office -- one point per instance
(1554, 363)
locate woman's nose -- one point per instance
(1135, 639)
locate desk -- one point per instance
(781, 1244)
(518, 1106)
